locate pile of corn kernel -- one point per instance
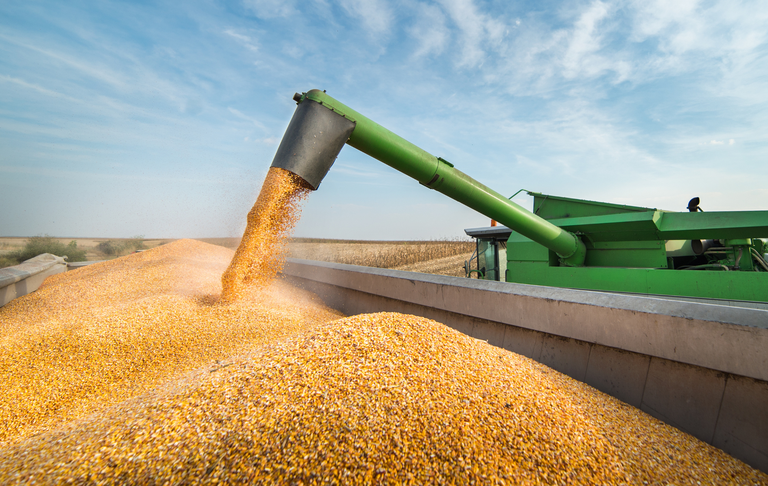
(93, 337)
(262, 250)
(378, 398)
(143, 371)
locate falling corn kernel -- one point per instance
(262, 249)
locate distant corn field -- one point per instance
(380, 254)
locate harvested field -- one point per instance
(131, 372)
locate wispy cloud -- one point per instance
(722, 142)
(600, 98)
(75, 174)
(265, 140)
(245, 117)
(245, 40)
(354, 171)
(639, 42)
(376, 15)
(429, 30)
(675, 22)
(268, 9)
(583, 56)
(101, 73)
(478, 31)
(34, 87)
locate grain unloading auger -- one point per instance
(567, 242)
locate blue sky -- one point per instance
(162, 118)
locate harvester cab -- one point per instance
(564, 242)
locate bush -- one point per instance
(6, 261)
(110, 247)
(115, 248)
(136, 243)
(38, 245)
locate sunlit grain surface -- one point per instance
(98, 335)
(378, 398)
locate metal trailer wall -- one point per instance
(22, 279)
(699, 367)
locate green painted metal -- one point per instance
(440, 175)
(584, 244)
(557, 207)
(635, 251)
(637, 254)
(665, 225)
(726, 285)
(720, 225)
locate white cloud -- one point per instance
(100, 72)
(654, 18)
(376, 15)
(537, 59)
(716, 29)
(575, 138)
(639, 43)
(479, 31)
(121, 69)
(585, 41)
(245, 117)
(237, 36)
(268, 9)
(721, 142)
(265, 141)
(39, 89)
(356, 171)
(429, 30)
(245, 40)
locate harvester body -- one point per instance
(713, 255)
(564, 242)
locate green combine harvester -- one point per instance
(564, 242)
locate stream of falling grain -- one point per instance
(261, 253)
